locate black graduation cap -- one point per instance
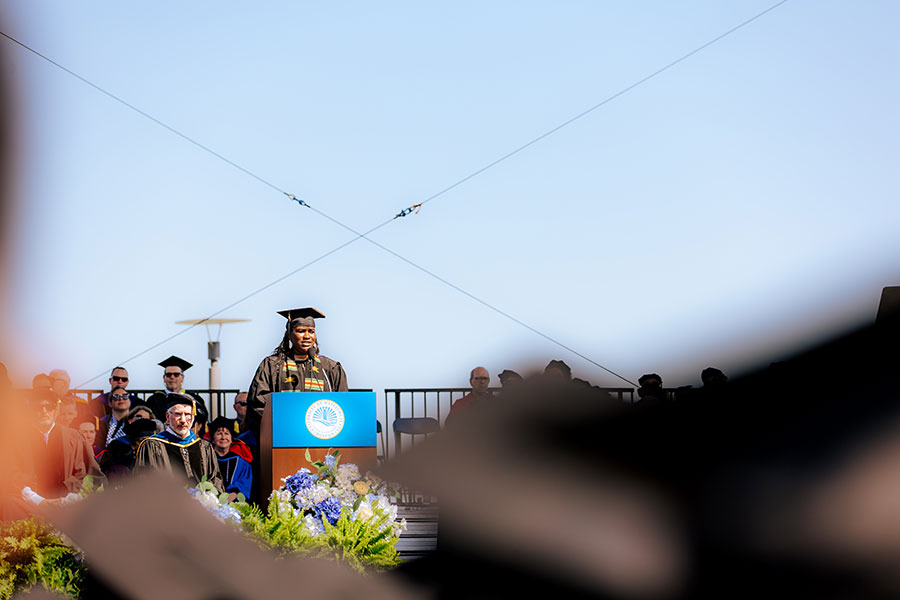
(175, 399)
(140, 428)
(305, 315)
(174, 361)
(219, 422)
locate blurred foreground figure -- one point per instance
(786, 485)
(166, 545)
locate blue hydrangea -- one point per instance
(301, 480)
(330, 508)
(330, 460)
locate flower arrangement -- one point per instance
(217, 504)
(335, 512)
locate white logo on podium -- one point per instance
(324, 419)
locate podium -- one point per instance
(295, 422)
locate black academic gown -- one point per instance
(275, 374)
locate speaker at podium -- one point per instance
(295, 422)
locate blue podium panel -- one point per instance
(323, 419)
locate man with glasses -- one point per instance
(480, 380)
(100, 405)
(178, 450)
(173, 378)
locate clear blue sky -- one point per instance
(730, 209)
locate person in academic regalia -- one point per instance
(236, 472)
(117, 459)
(56, 458)
(177, 449)
(295, 365)
(173, 378)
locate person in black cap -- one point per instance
(177, 449)
(117, 459)
(295, 365)
(173, 378)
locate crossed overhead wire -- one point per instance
(404, 212)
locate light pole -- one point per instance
(213, 351)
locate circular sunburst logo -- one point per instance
(324, 419)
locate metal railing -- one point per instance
(217, 400)
(436, 403)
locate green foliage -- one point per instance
(356, 543)
(33, 554)
(360, 543)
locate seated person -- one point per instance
(56, 459)
(117, 460)
(111, 425)
(236, 474)
(87, 426)
(67, 412)
(178, 450)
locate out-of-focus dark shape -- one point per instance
(508, 379)
(651, 392)
(558, 369)
(781, 482)
(166, 545)
(889, 305)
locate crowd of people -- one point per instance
(61, 438)
(115, 434)
(650, 391)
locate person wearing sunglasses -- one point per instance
(112, 426)
(173, 380)
(100, 405)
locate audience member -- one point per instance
(480, 380)
(651, 391)
(236, 472)
(41, 381)
(112, 425)
(67, 412)
(87, 426)
(62, 386)
(142, 411)
(201, 417)
(713, 378)
(240, 409)
(117, 460)
(57, 459)
(117, 378)
(178, 450)
(509, 380)
(173, 378)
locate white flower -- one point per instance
(365, 512)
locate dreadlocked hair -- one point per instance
(284, 348)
